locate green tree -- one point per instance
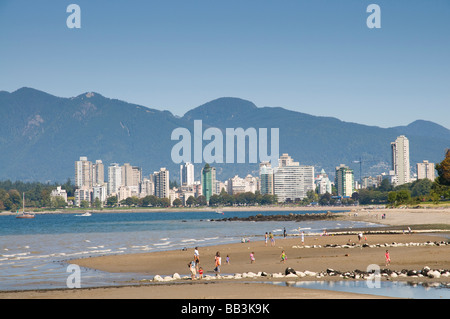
(177, 202)
(84, 204)
(421, 187)
(441, 185)
(443, 169)
(191, 201)
(201, 200)
(403, 196)
(325, 199)
(111, 201)
(392, 197)
(214, 200)
(164, 202)
(97, 203)
(58, 202)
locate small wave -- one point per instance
(188, 240)
(163, 244)
(211, 238)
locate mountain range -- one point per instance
(41, 136)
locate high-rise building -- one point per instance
(147, 186)
(187, 174)
(114, 178)
(161, 180)
(323, 183)
(400, 160)
(266, 178)
(291, 180)
(345, 181)
(208, 181)
(98, 173)
(131, 177)
(99, 191)
(83, 173)
(426, 170)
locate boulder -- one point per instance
(434, 274)
(288, 271)
(176, 276)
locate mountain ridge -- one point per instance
(43, 135)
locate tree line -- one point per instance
(36, 194)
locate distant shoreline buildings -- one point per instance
(289, 181)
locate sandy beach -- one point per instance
(312, 256)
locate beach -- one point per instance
(342, 252)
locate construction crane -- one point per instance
(360, 168)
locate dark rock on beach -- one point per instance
(289, 217)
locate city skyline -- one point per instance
(272, 55)
(289, 181)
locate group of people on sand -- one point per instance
(194, 265)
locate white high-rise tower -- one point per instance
(400, 160)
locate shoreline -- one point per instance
(313, 259)
(187, 209)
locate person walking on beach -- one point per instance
(284, 232)
(265, 238)
(227, 260)
(196, 259)
(272, 239)
(252, 257)
(283, 257)
(217, 262)
(191, 266)
(303, 238)
(388, 258)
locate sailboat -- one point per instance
(24, 215)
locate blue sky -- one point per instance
(317, 57)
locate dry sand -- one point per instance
(268, 260)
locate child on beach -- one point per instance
(228, 259)
(200, 272)
(388, 258)
(283, 257)
(217, 262)
(252, 257)
(265, 238)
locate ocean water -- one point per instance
(396, 289)
(35, 253)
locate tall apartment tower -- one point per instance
(187, 174)
(208, 181)
(400, 160)
(266, 178)
(83, 173)
(98, 173)
(131, 175)
(345, 180)
(114, 178)
(426, 170)
(161, 179)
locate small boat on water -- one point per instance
(87, 214)
(24, 214)
(219, 212)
